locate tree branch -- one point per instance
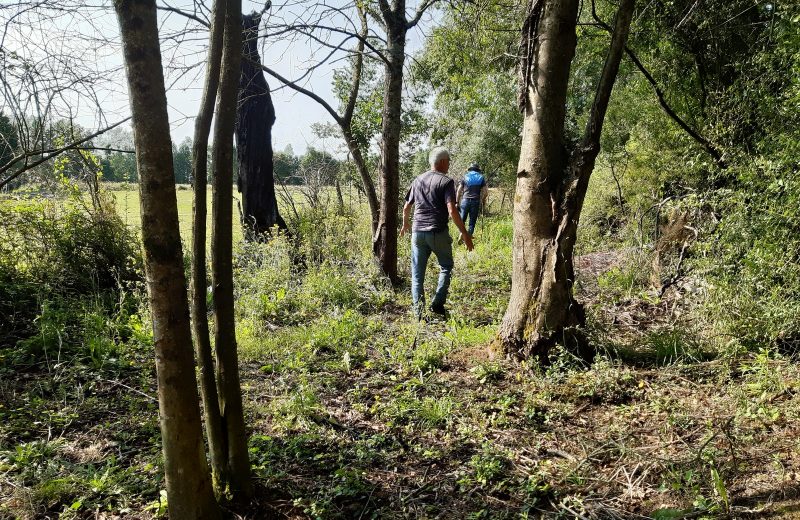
(183, 13)
(709, 147)
(303, 27)
(424, 6)
(357, 69)
(594, 126)
(50, 154)
(712, 149)
(294, 86)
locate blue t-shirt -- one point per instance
(472, 184)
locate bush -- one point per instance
(752, 259)
(271, 287)
(67, 248)
(63, 270)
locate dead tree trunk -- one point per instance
(202, 341)
(552, 181)
(187, 476)
(255, 116)
(227, 362)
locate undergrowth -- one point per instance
(356, 410)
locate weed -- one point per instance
(490, 372)
(486, 469)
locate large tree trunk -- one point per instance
(202, 341)
(255, 116)
(384, 242)
(187, 477)
(227, 363)
(552, 181)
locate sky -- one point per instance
(83, 35)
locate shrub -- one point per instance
(752, 258)
(68, 248)
(65, 273)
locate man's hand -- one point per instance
(467, 238)
(406, 219)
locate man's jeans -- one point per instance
(423, 243)
(470, 207)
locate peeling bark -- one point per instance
(552, 183)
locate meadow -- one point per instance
(127, 204)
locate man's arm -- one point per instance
(406, 218)
(459, 192)
(451, 208)
(484, 197)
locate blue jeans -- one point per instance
(470, 207)
(423, 243)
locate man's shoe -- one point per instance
(438, 309)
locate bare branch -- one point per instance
(424, 6)
(294, 86)
(50, 154)
(181, 12)
(303, 28)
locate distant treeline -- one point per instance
(109, 157)
(289, 168)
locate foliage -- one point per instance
(468, 62)
(753, 259)
(52, 252)
(9, 140)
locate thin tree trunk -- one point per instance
(552, 182)
(227, 363)
(255, 116)
(367, 187)
(384, 242)
(346, 124)
(339, 196)
(187, 477)
(202, 341)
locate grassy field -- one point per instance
(127, 201)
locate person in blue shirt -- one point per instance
(474, 191)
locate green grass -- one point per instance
(356, 410)
(127, 201)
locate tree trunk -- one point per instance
(255, 116)
(227, 363)
(384, 242)
(202, 341)
(552, 181)
(187, 477)
(346, 122)
(339, 196)
(367, 187)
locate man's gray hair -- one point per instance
(437, 154)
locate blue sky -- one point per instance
(90, 35)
